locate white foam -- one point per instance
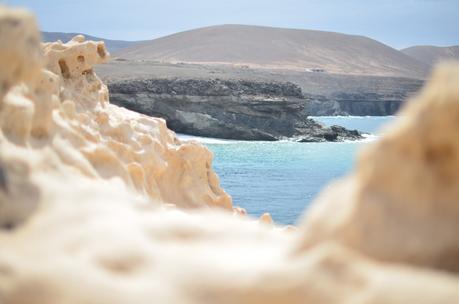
(211, 140)
(368, 138)
(352, 117)
(205, 140)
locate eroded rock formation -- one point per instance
(232, 109)
(59, 110)
(86, 188)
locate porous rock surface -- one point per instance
(59, 110)
(86, 189)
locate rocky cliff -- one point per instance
(233, 109)
(325, 93)
(87, 192)
(357, 104)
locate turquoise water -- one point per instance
(283, 178)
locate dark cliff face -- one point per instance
(353, 104)
(233, 109)
(322, 93)
(210, 87)
(363, 97)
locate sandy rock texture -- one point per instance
(87, 188)
(55, 117)
(400, 204)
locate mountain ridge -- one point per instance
(269, 47)
(431, 54)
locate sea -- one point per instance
(284, 177)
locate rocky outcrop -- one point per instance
(324, 93)
(64, 107)
(86, 187)
(233, 109)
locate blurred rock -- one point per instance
(400, 205)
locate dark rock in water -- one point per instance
(232, 109)
(347, 133)
(333, 133)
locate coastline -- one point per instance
(376, 122)
(213, 140)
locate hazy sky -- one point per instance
(398, 23)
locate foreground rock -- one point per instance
(86, 189)
(232, 109)
(64, 107)
(401, 203)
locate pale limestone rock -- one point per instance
(22, 59)
(266, 218)
(57, 119)
(402, 203)
(85, 253)
(239, 211)
(90, 198)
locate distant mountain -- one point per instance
(429, 54)
(112, 45)
(267, 47)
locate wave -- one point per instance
(352, 117)
(366, 138)
(205, 140)
(211, 140)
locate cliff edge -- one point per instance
(231, 109)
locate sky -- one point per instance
(398, 23)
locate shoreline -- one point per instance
(214, 140)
